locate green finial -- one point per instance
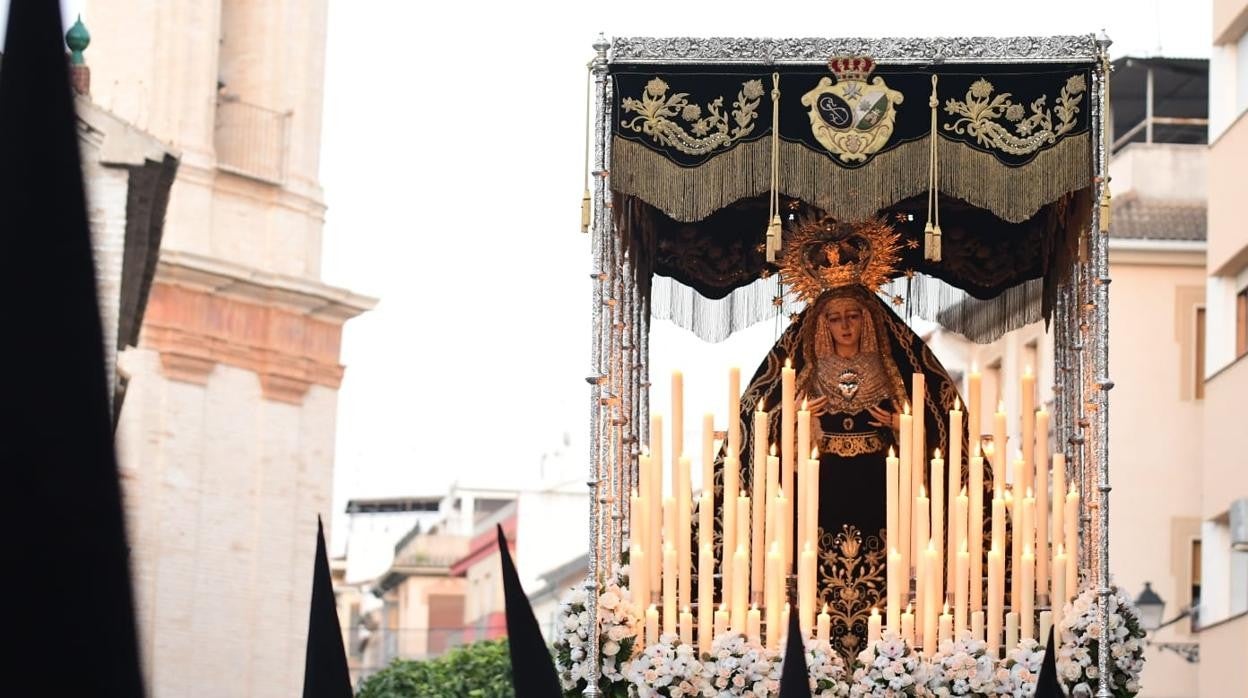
(77, 38)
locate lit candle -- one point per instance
(996, 599)
(678, 425)
(974, 385)
(652, 625)
(893, 609)
(734, 409)
(907, 626)
(961, 596)
(721, 625)
(806, 589)
(891, 506)
(684, 540)
(938, 522)
(671, 522)
(669, 589)
(1057, 599)
(1071, 529)
(636, 517)
(1028, 408)
(803, 476)
(946, 626)
(873, 627)
(706, 529)
(729, 496)
(1041, 491)
(783, 630)
(784, 521)
(823, 626)
(955, 486)
(975, 528)
(788, 456)
(1011, 631)
(640, 582)
(1057, 515)
(773, 488)
(1027, 609)
(921, 532)
(998, 450)
(1026, 538)
(918, 442)
(686, 627)
(758, 477)
(812, 501)
(959, 533)
(708, 451)
(740, 588)
(905, 498)
(1046, 622)
(742, 543)
(998, 523)
(772, 594)
(977, 625)
(706, 589)
(931, 602)
(753, 623)
(652, 522)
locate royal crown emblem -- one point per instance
(851, 117)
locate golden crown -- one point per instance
(823, 253)
(851, 67)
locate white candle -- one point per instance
(742, 543)
(893, 609)
(708, 451)
(684, 541)
(758, 476)
(788, 444)
(905, 498)
(771, 609)
(823, 626)
(640, 582)
(706, 590)
(721, 625)
(1028, 408)
(938, 522)
(1057, 515)
(974, 386)
(653, 519)
(891, 508)
(960, 505)
(753, 622)
(962, 593)
(806, 589)
(1041, 491)
(732, 474)
(669, 589)
(907, 626)
(636, 518)
(998, 524)
(999, 467)
(812, 501)
(918, 440)
(803, 476)
(1046, 622)
(1011, 631)
(706, 532)
(931, 602)
(1057, 599)
(873, 627)
(996, 599)
(686, 627)
(1027, 612)
(734, 409)
(740, 588)
(977, 625)
(946, 626)
(922, 522)
(652, 625)
(783, 630)
(954, 466)
(678, 424)
(975, 529)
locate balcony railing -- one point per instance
(251, 140)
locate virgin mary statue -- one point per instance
(854, 360)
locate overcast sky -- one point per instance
(453, 143)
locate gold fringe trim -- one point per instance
(693, 193)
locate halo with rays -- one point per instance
(822, 253)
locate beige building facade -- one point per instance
(226, 436)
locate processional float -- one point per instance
(986, 160)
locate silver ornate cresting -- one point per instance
(620, 359)
(966, 49)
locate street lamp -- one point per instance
(1151, 607)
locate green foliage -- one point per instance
(479, 670)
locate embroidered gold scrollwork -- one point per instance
(851, 582)
(659, 115)
(980, 114)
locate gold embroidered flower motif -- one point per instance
(979, 116)
(657, 113)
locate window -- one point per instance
(1200, 353)
(1195, 577)
(1241, 323)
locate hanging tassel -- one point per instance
(1105, 209)
(931, 230)
(775, 229)
(585, 207)
(585, 211)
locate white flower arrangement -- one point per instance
(618, 622)
(1018, 671)
(738, 667)
(828, 677)
(961, 667)
(890, 668)
(668, 668)
(1082, 640)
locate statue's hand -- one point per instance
(816, 405)
(884, 419)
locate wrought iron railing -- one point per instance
(252, 140)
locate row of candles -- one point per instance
(927, 535)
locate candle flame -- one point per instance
(931, 545)
(974, 367)
(963, 491)
(788, 363)
(825, 609)
(922, 492)
(1030, 495)
(779, 493)
(907, 408)
(977, 453)
(804, 405)
(957, 404)
(652, 609)
(946, 608)
(964, 548)
(723, 608)
(910, 607)
(773, 449)
(1072, 490)
(1027, 371)
(1001, 406)
(891, 454)
(686, 609)
(936, 454)
(753, 607)
(806, 548)
(875, 611)
(814, 454)
(1009, 495)
(1061, 549)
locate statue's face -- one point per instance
(843, 318)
